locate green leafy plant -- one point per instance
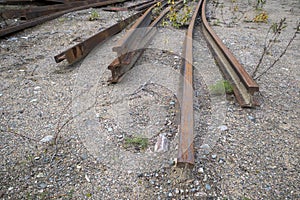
(180, 18)
(94, 15)
(137, 142)
(89, 195)
(221, 87)
(157, 9)
(216, 22)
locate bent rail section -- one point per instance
(243, 83)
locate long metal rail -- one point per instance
(132, 46)
(137, 7)
(82, 49)
(38, 11)
(243, 83)
(186, 133)
(42, 19)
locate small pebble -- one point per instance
(200, 194)
(214, 156)
(43, 185)
(40, 175)
(84, 156)
(205, 146)
(207, 186)
(251, 118)
(223, 128)
(47, 138)
(33, 100)
(172, 103)
(201, 170)
(87, 178)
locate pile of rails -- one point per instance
(133, 44)
(16, 15)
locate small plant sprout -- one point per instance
(221, 87)
(94, 15)
(136, 142)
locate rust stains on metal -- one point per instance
(137, 7)
(186, 134)
(244, 85)
(132, 46)
(42, 19)
(80, 50)
(144, 6)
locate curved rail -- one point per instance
(243, 83)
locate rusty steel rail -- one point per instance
(40, 20)
(31, 13)
(186, 133)
(243, 84)
(144, 6)
(136, 7)
(132, 46)
(80, 50)
(129, 47)
(38, 11)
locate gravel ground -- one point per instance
(64, 128)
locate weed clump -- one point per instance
(136, 142)
(221, 87)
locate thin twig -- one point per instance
(281, 55)
(277, 28)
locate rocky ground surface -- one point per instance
(68, 134)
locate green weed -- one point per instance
(221, 87)
(137, 142)
(94, 15)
